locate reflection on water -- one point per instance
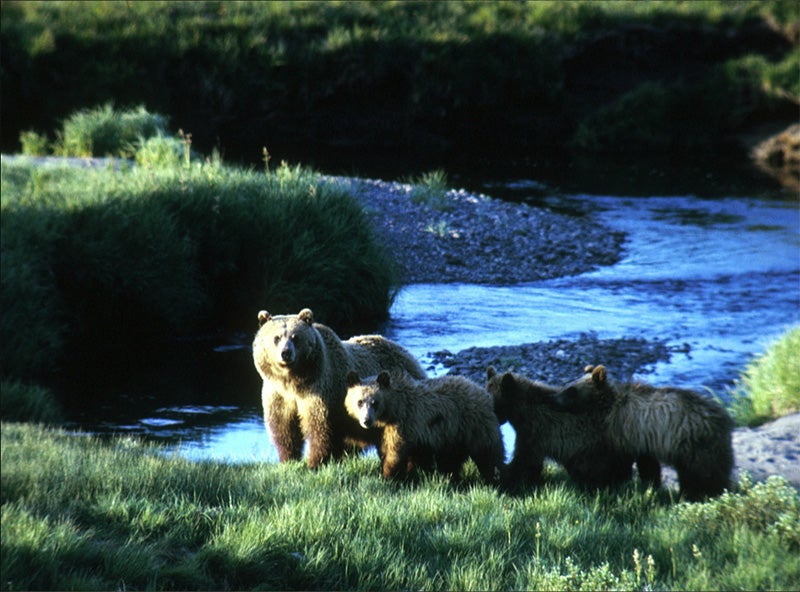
(722, 276)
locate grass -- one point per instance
(105, 131)
(28, 402)
(431, 190)
(80, 513)
(770, 384)
(432, 77)
(175, 248)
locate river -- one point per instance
(716, 278)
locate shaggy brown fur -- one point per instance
(544, 431)
(674, 426)
(444, 420)
(304, 367)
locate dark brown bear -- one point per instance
(674, 426)
(544, 431)
(304, 367)
(442, 421)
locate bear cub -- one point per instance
(544, 431)
(425, 422)
(674, 426)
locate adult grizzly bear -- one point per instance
(304, 367)
(675, 426)
(442, 421)
(544, 431)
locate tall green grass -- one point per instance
(105, 258)
(770, 384)
(79, 513)
(105, 131)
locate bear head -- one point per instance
(286, 344)
(512, 393)
(366, 400)
(591, 391)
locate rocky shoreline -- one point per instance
(463, 237)
(472, 238)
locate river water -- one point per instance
(716, 278)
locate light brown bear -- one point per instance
(304, 367)
(674, 426)
(544, 431)
(425, 422)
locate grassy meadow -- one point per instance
(433, 79)
(84, 514)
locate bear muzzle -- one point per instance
(288, 354)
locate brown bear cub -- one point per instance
(304, 367)
(674, 426)
(544, 431)
(439, 421)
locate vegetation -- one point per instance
(486, 80)
(171, 248)
(28, 402)
(83, 514)
(431, 189)
(770, 385)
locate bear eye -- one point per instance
(277, 339)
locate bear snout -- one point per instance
(288, 354)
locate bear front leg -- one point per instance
(649, 470)
(316, 424)
(527, 465)
(396, 457)
(282, 423)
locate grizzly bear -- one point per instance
(674, 426)
(437, 422)
(304, 367)
(544, 431)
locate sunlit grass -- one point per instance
(79, 513)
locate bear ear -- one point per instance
(353, 379)
(599, 375)
(306, 316)
(491, 372)
(263, 317)
(508, 382)
(383, 379)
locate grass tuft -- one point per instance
(770, 384)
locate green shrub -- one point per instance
(770, 385)
(431, 189)
(28, 403)
(160, 151)
(104, 131)
(33, 144)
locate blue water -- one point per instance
(722, 276)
